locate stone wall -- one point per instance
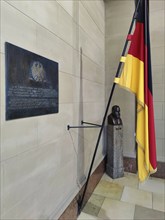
(43, 165)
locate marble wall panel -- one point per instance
(54, 126)
(39, 153)
(41, 203)
(116, 8)
(56, 49)
(17, 28)
(92, 71)
(156, 5)
(90, 49)
(96, 12)
(68, 6)
(89, 26)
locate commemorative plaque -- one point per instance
(31, 84)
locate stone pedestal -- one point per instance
(114, 166)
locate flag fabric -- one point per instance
(136, 77)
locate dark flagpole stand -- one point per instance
(81, 199)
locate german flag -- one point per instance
(136, 76)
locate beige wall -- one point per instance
(118, 19)
(157, 28)
(42, 164)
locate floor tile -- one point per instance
(84, 216)
(138, 197)
(124, 198)
(94, 204)
(109, 189)
(142, 213)
(158, 179)
(153, 185)
(159, 202)
(113, 209)
(129, 179)
(107, 178)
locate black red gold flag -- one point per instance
(137, 78)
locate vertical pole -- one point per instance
(80, 202)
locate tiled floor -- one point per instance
(126, 199)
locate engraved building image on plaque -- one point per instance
(31, 84)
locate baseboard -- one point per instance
(130, 165)
(71, 211)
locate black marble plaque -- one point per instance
(31, 84)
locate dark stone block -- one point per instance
(114, 167)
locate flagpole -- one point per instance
(80, 202)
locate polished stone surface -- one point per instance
(94, 204)
(153, 185)
(114, 166)
(142, 213)
(109, 189)
(160, 168)
(129, 179)
(85, 216)
(138, 197)
(159, 202)
(130, 165)
(113, 209)
(136, 201)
